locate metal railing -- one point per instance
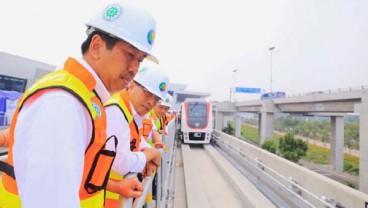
(275, 176)
(165, 177)
(5, 119)
(262, 164)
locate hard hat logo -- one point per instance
(162, 86)
(151, 36)
(141, 70)
(112, 12)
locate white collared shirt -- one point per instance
(51, 136)
(125, 161)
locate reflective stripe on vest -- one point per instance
(76, 80)
(159, 124)
(121, 100)
(156, 120)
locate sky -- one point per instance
(319, 45)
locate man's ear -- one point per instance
(96, 46)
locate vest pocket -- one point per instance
(99, 173)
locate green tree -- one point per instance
(292, 149)
(351, 134)
(269, 145)
(229, 129)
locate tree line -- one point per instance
(318, 128)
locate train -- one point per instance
(196, 121)
(272, 95)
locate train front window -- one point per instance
(197, 110)
(197, 115)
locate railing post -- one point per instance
(126, 202)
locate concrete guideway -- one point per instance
(211, 181)
(290, 179)
(250, 195)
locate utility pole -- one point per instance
(271, 52)
(234, 83)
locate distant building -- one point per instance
(19, 73)
(180, 94)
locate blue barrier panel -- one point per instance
(2, 110)
(247, 90)
(8, 103)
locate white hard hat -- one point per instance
(154, 80)
(128, 22)
(167, 101)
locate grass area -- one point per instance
(318, 155)
(351, 164)
(315, 154)
(250, 133)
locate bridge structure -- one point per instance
(334, 104)
(231, 172)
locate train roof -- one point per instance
(195, 100)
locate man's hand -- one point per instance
(149, 169)
(159, 144)
(163, 132)
(128, 187)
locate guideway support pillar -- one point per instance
(337, 143)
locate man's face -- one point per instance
(120, 65)
(160, 110)
(142, 100)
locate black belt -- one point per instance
(6, 168)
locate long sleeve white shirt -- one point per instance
(125, 161)
(51, 136)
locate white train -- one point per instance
(196, 121)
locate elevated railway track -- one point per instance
(232, 173)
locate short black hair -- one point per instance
(110, 41)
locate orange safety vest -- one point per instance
(97, 160)
(121, 100)
(164, 122)
(146, 127)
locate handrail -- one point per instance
(259, 165)
(163, 175)
(4, 157)
(147, 184)
(264, 162)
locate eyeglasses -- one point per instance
(148, 94)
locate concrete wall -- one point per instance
(20, 67)
(311, 181)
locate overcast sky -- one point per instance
(319, 44)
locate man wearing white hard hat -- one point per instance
(58, 134)
(158, 118)
(125, 111)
